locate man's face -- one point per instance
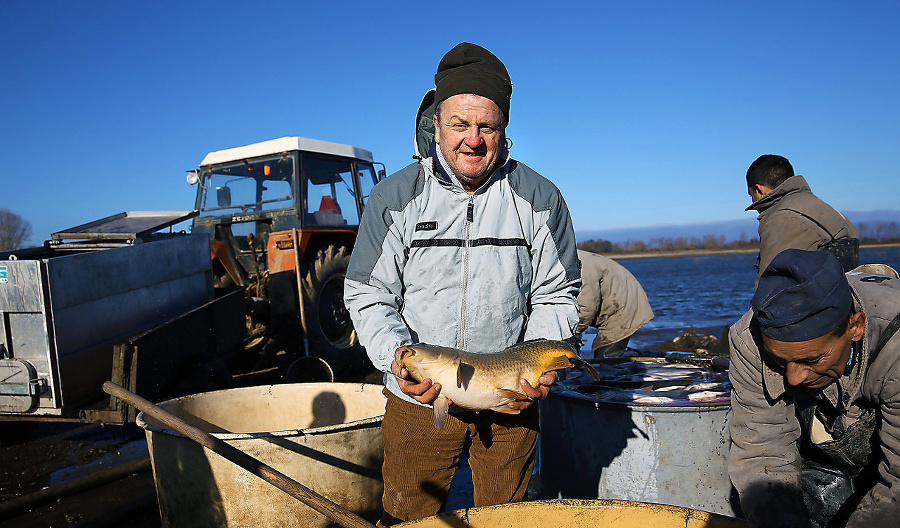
(470, 133)
(816, 363)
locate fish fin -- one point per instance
(558, 362)
(441, 408)
(464, 374)
(512, 394)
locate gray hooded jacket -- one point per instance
(478, 272)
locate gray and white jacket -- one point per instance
(478, 272)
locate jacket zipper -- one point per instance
(470, 217)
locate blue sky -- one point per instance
(643, 113)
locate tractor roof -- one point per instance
(285, 144)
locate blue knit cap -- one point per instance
(801, 295)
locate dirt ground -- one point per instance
(36, 456)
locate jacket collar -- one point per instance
(791, 185)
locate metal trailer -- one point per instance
(65, 305)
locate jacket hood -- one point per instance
(424, 136)
(790, 185)
(425, 125)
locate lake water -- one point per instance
(708, 292)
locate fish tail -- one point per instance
(587, 366)
(574, 344)
(570, 360)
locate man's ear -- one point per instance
(761, 189)
(857, 326)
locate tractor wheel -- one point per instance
(328, 324)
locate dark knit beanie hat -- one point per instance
(801, 295)
(471, 69)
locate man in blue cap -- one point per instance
(815, 370)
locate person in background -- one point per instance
(792, 217)
(611, 300)
(815, 371)
(465, 248)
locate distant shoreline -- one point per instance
(705, 252)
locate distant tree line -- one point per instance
(878, 233)
(707, 242)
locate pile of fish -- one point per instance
(652, 379)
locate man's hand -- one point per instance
(424, 392)
(546, 380)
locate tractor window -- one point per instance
(330, 197)
(248, 186)
(367, 180)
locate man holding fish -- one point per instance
(815, 370)
(464, 252)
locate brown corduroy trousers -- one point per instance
(419, 460)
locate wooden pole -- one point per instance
(333, 511)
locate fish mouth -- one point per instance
(404, 352)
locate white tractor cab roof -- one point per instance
(285, 144)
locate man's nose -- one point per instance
(795, 373)
(473, 138)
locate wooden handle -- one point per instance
(335, 512)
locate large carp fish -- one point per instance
(485, 381)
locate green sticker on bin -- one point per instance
(3, 275)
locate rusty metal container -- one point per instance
(327, 436)
(578, 514)
(664, 454)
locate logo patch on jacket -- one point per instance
(426, 226)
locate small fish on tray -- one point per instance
(706, 396)
(650, 382)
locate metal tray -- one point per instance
(129, 225)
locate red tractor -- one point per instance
(282, 218)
